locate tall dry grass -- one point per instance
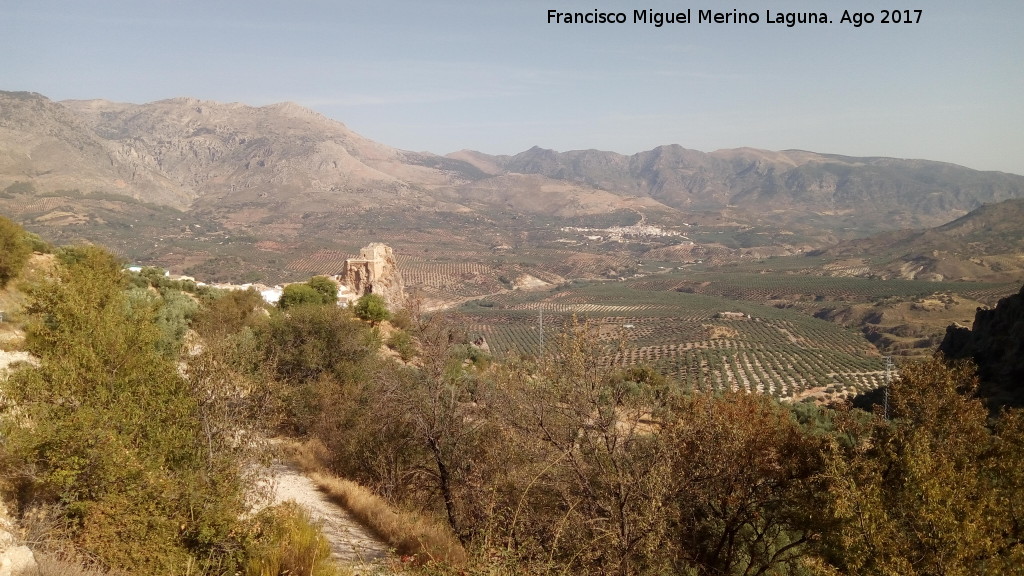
(409, 533)
(294, 545)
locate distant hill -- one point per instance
(52, 147)
(186, 183)
(986, 244)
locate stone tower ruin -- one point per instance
(375, 271)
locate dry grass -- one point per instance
(295, 546)
(49, 564)
(409, 533)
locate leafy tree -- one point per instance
(327, 288)
(15, 249)
(372, 308)
(744, 487)
(319, 290)
(933, 491)
(299, 295)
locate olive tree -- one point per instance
(372, 308)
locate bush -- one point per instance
(403, 319)
(226, 312)
(143, 478)
(319, 290)
(327, 288)
(314, 341)
(401, 342)
(15, 249)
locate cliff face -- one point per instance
(996, 344)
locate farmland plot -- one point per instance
(704, 342)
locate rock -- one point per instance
(17, 560)
(375, 271)
(996, 344)
(14, 559)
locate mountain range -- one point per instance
(181, 175)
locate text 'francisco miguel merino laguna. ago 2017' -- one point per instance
(790, 19)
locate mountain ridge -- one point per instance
(180, 151)
(172, 180)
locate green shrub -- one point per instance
(145, 480)
(224, 312)
(299, 295)
(38, 244)
(174, 312)
(327, 288)
(313, 341)
(372, 308)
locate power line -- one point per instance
(888, 382)
(540, 310)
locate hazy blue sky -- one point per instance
(496, 77)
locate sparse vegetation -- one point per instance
(410, 533)
(576, 459)
(680, 427)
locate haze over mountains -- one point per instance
(281, 173)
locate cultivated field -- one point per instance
(704, 341)
(743, 330)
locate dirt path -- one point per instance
(351, 543)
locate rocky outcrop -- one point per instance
(375, 271)
(996, 344)
(14, 558)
